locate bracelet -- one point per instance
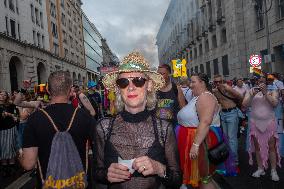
(196, 145)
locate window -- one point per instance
(71, 41)
(196, 69)
(195, 53)
(32, 13)
(17, 7)
(215, 66)
(281, 8)
(13, 28)
(70, 26)
(208, 69)
(19, 34)
(6, 22)
(206, 46)
(43, 41)
(37, 16)
(259, 15)
(63, 21)
(65, 52)
(38, 39)
(64, 36)
(52, 10)
(11, 5)
(214, 41)
(34, 37)
(225, 65)
(62, 4)
(5, 3)
(223, 36)
(200, 50)
(191, 70)
(201, 68)
(55, 48)
(54, 30)
(40, 2)
(41, 19)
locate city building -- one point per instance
(93, 50)
(218, 36)
(65, 29)
(109, 58)
(27, 38)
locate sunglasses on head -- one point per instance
(137, 81)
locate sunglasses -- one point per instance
(137, 81)
(217, 81)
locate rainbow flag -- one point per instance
(257, 72)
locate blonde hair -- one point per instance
(151, 100)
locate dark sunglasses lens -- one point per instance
(139, 81)
(122, 82)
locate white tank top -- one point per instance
(188, 117)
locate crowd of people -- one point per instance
(160, 133)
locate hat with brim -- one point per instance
(133, 62)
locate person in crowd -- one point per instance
(136, 149)
(8, 134)
(200, 130)
(39, 132)
(79, 99)
(170, 97)
(228, 98)
(240, 87)
(185, 87)
(94, 97)
(263, 136)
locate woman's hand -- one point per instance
(193, 154)
(117, 173)
(147, 166)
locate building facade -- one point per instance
(65, 28)
(109, 58)
(93, 50)
(218, 36)
(27, 43)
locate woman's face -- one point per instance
(3, 96)
(195, 85)
(134, 92)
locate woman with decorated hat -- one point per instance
(135, 149)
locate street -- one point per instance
(243, 181)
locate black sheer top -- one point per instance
(129, 136)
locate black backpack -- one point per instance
(65, 169)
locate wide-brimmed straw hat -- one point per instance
(133, 62)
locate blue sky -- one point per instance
(128, 24)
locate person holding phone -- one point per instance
(263, 137)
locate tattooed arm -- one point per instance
(87, 104)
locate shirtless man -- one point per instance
(227, 96)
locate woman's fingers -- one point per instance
(118, 173)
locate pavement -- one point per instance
(244, 180)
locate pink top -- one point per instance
(262, 112)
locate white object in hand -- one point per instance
(127, 163)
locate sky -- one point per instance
(128, 25)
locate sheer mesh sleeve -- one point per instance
(101, 132)
(173, 177)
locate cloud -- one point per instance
(128, 24)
